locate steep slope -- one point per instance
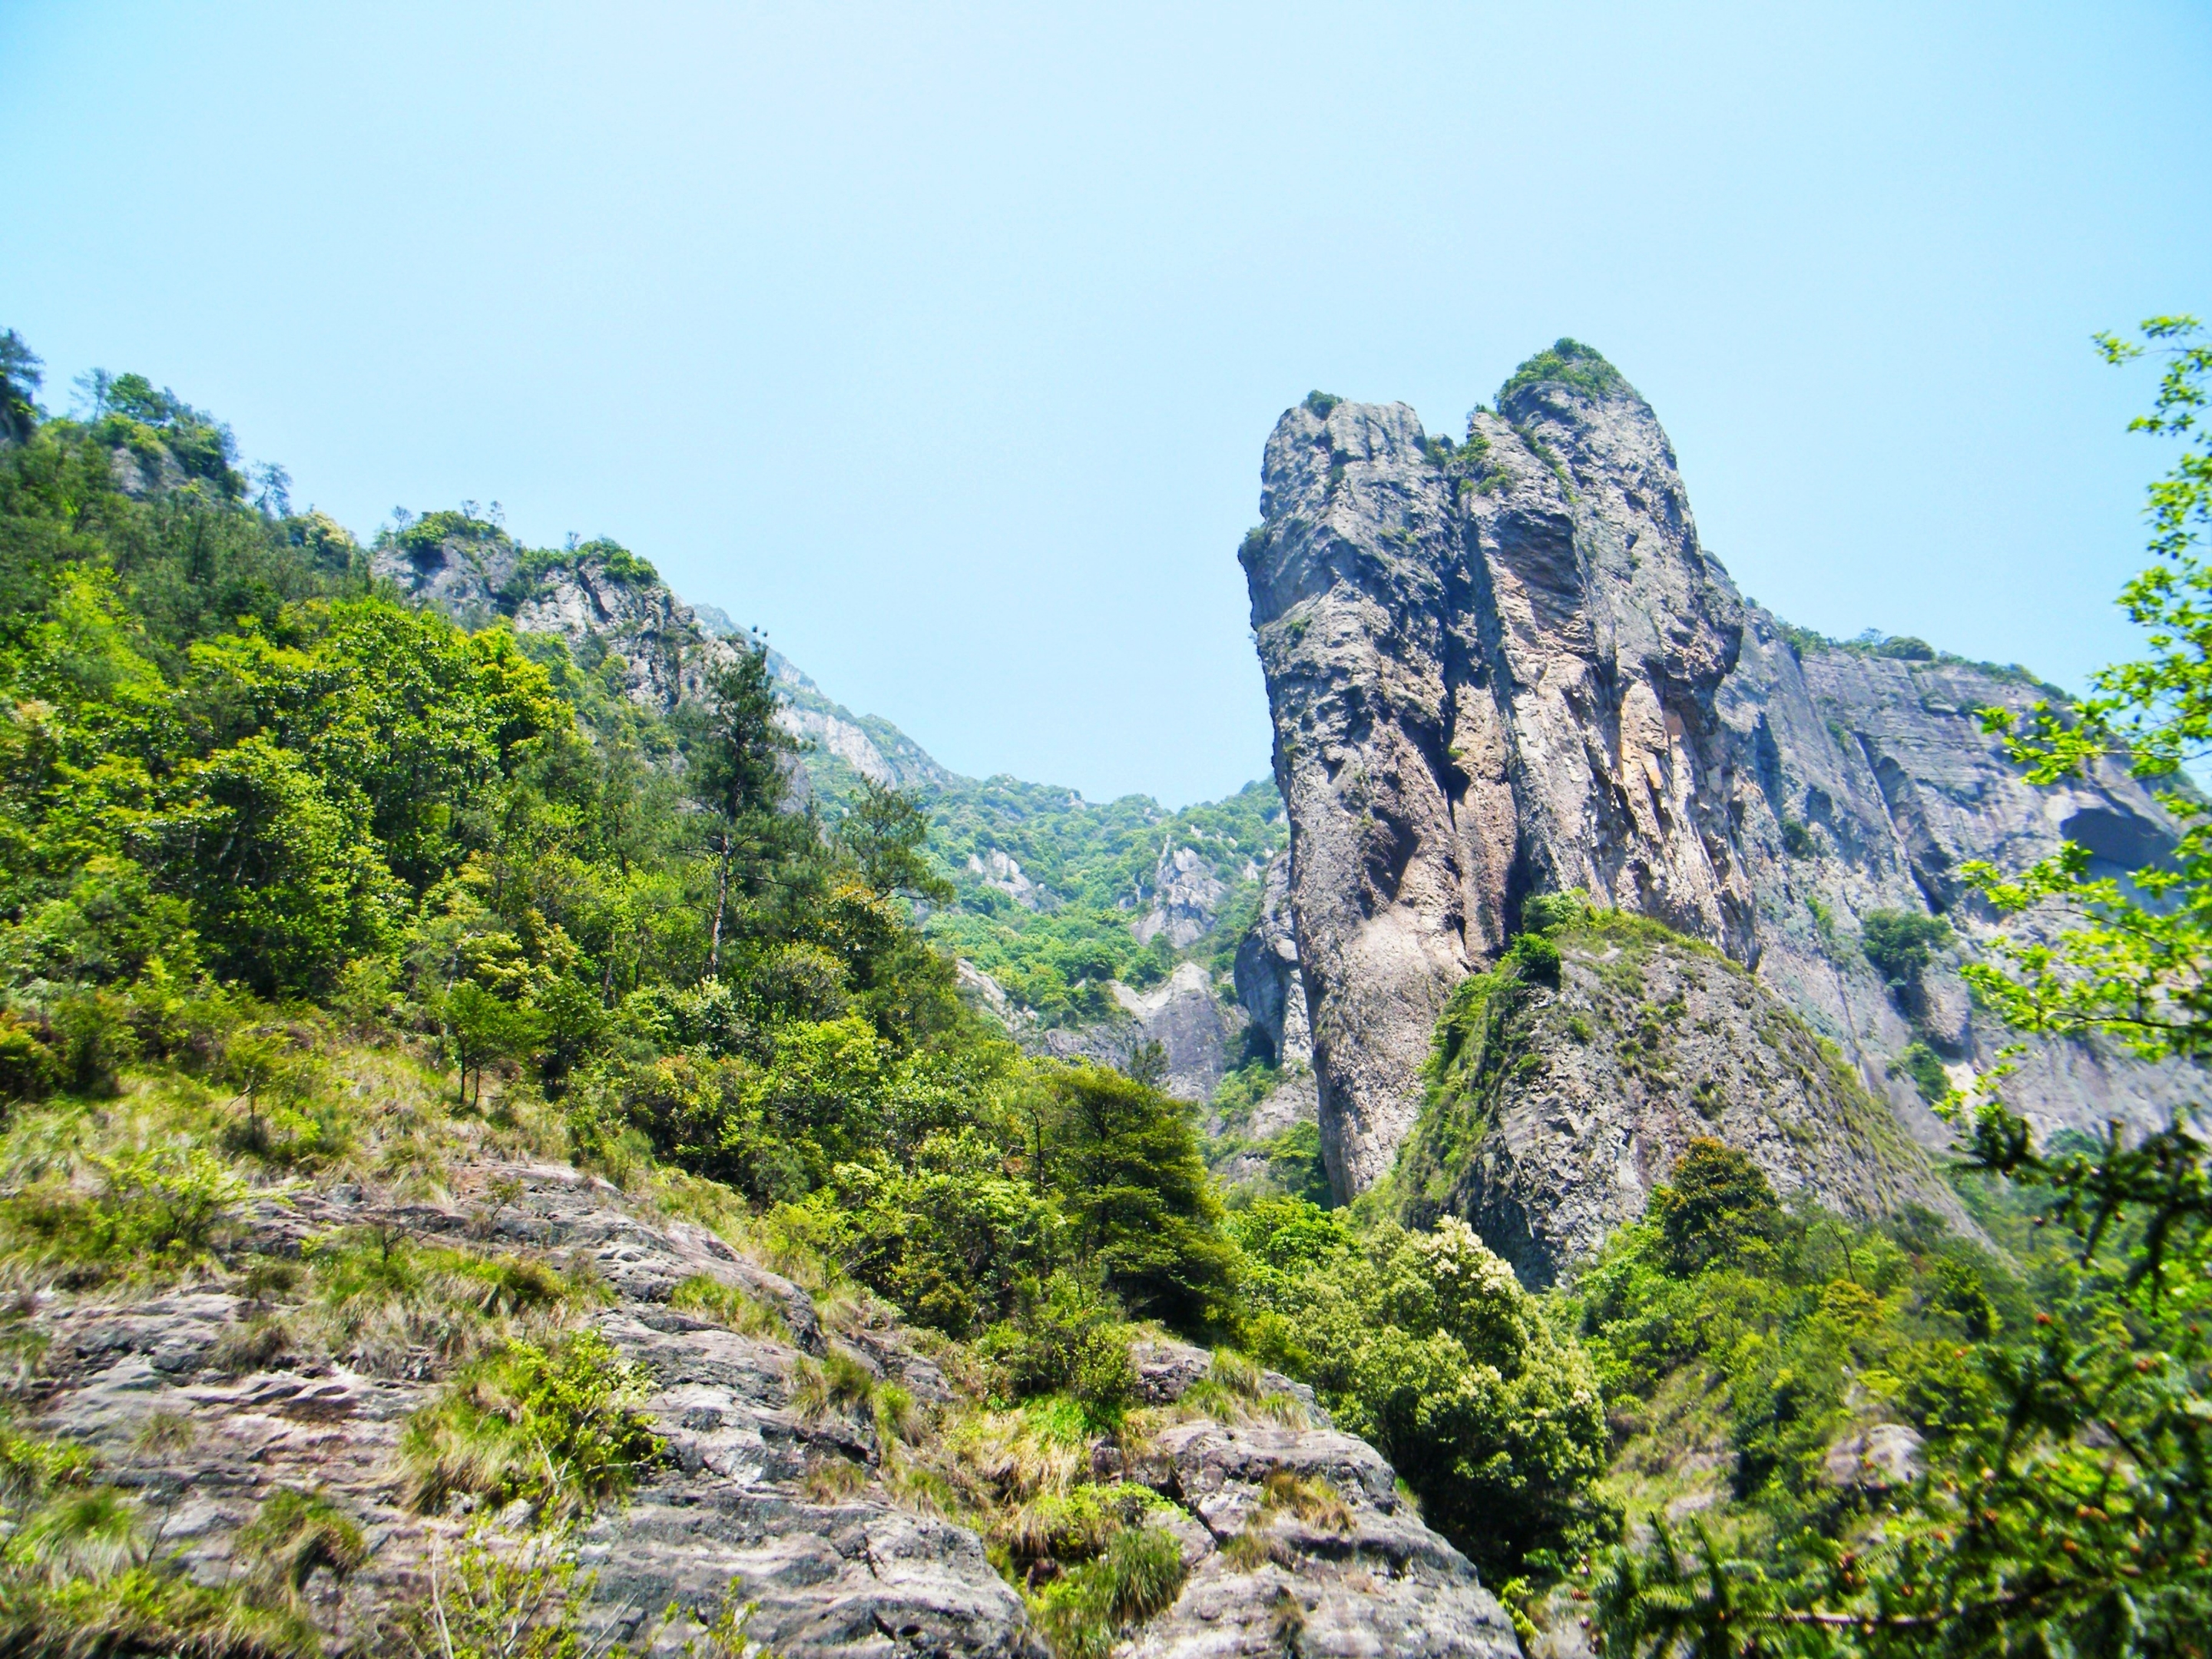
(1561, 1099)
(1506, 665)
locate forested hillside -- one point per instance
(491, 1166)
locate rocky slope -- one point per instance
(207, 1400)
(619, 619)
(1563, 1103)
(1178, 878)
(1507, 665)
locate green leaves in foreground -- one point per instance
(2066, 1507)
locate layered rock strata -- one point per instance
(733, 1509)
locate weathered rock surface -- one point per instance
(1583, 1095)
(1509, 666)
(618, 618)
(1187, 897)
(1196, 1032)
(1367, 1579)
(851, 1575)
(1268, 980)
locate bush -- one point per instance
(293, 1536)
(1086, 1611)
(1900, 943)
(1719, 1207)
(159, 1212)
(1426, 1345)
(1541, 912)
(1067, 1338)
(553, 1426)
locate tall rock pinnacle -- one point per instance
(1506, 665)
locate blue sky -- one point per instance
(942, 341)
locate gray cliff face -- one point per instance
(1196, 1033)
(1508, 666)
(1268, 983)
(1186, 895)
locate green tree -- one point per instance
(481, 1027)
(884, 832)
(1124, 1162)
(738, 757)
(2067, 1509)
(1717, 1208)
(22, 374)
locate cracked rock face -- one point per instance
(1196, 1033)
(1509, 666)
(1268, 980)
(1355, 1579)
(854, 1575)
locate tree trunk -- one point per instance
(721, 898)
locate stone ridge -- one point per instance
(1507, 665)
(617, 618)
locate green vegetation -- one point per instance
(1900, 944)
(1566, 362)
(1096, 864)
(555, 1428)
(80, 1576)
(1426, 1345)
(2062, 1505)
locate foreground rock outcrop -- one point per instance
(1507, 665)
(1302, 1544)
(757, 1492)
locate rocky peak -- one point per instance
(1506, 665)
(1186, 895)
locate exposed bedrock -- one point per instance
(1507, 665)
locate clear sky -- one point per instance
(942, 341)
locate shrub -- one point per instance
(1541, 912)
(1900, 943)
(553, 1426)
(1534, 958)
(1925, 1068)
(499, 1597)
(1088, 1609)
(1566, 362)
(1426, 1345)
(159, 1212)
(1067, 1338)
